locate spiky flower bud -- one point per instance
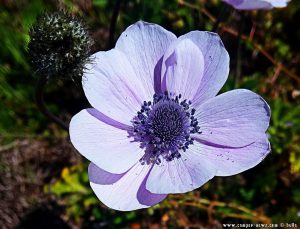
(59, 45)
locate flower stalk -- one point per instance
(39, 97)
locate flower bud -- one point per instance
(59, 45)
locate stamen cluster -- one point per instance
(163, 128)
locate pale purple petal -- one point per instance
(216, 63)
(231, 161)
(279, 3)
(111, 86)
(105, 145)
(256, 4)
(123, 194)
(235, 118)
(144, 44)
(182, 68)
(180, 175)
(100, 176)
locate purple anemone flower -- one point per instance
(257, 4)
(157, 126)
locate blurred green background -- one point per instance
(43, 180)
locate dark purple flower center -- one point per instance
(163, 128)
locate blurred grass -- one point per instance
(268, 193)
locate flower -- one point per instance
(59, 45)
(257, 4)
(157, 126)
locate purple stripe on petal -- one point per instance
(204, 142)
(164, 83)
(107, 120)
(168, 62)
(100, 176)
(148, 198)
(157, 76)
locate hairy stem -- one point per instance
(39, 96)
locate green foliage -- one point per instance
(17, 110)
(285, 131)
(100, 3)
(74, 185)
